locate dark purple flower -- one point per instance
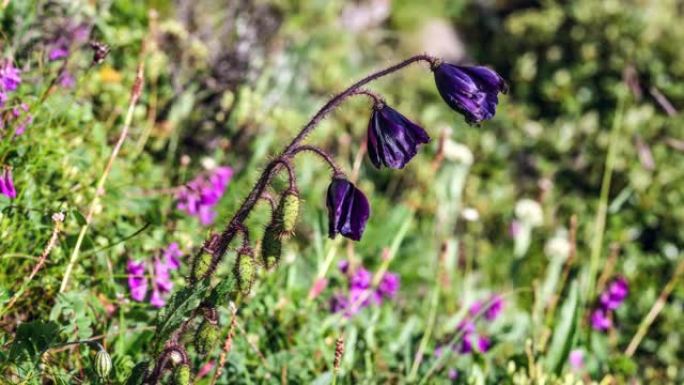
(338, 303)
(495, 307)
(389, 285)
(7, 184)
(348, 209)
(472, 91)
(393, 139)
(466, 344)
(137, 282)
(600, 320)
(343, 265)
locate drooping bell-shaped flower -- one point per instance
(348, 209)
(392, 138)
(470, 90)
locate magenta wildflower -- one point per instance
(137, 282)
(360, 291)
(483, 344)
(200, 195)
(576, 359)
(66, 79)
(495, 308)
(7, 184)
(600, 320)
(475, 308)
(453, 374)
(466, 344)
(21, 114)
(70, 35)
(172, 255)
(156, 299)
(10, 76)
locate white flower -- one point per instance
(558, 247)
(470, 214)
(529, 212)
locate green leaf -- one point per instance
(178, 309)
(565, 331)
(32, 339)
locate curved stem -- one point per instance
(290, 171)
(376, 98)
(320, 152)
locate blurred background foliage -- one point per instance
(229, 82)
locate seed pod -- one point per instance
(103, 363)
(206, 337)
(271, 246)
(287, 212)
(245, 270)
(200, 264)
(181, 375)
(138, 374)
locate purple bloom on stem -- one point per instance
(361, 279)
(343, 265)
(393, 139)
(615, 294)
(7, 184)
(453, 374)
(600, 320)
(483, 344)
(348, 209)
(466, 344)
(10, 76)
(156, 299)
(389, 285)
(472, 91)
(172, 255)
(200, 195)
(495, 308)
(475, 308)
(59, 51)
(162, 277)
(137, 282)
(66, 79)
(338, 303)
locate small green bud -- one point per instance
(245, 270)
(103, 363)
(200, 264)
(287, 212)
(138, 374)
(271, 246)
(206, 337)
(181, 375)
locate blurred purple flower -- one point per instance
(172, 255)
(475, 308)
(389, 285)
(10, 78)
(360, 292)
(21, 113)
(59, 51)
(66, 79)
(137, 282)
(496, 305)
(453, 374)
(466, 344)
(7, 184)
(200, 195)
(70, 35)
(615, 294)
(156, 299)
(483, 344)
(472, 91)
(348, 209)
(576, 359)
(393, 140)
(600, 320)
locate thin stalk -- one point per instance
(600, 221)
(99, 190)
(655, 310)
(426, 337)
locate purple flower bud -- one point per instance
(137, 282)
(600, 320)
(452, 374)
(472, 91)
(615, 294)
(7, 184)
(466, 344)
(576, 359)
(348, 209)
(393, 139)
(475, 308)
(343, 265)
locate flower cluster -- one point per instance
(361, 292)
(393, 139)
(161, 276)
(612, 297)
(471, 339)
(7, 184)
(199, 197)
